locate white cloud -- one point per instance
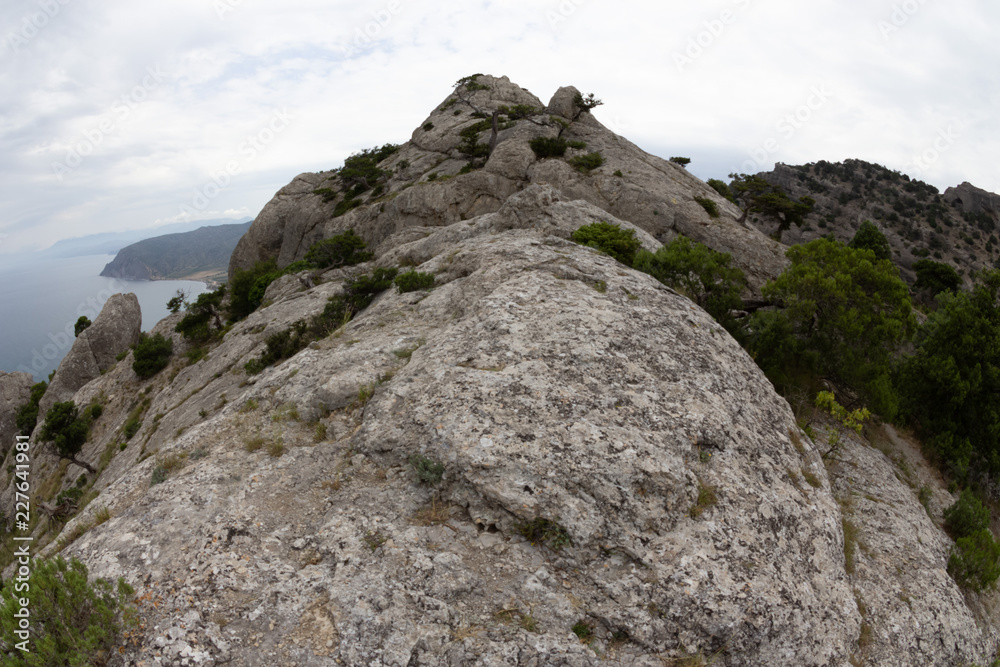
(358, 74)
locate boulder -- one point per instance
(15, 390)
(95, 350)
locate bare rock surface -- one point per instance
(114, 331)
(428, 189)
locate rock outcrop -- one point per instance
(15, 390)
(114, 331)
(652, 193)
(547, 459)
(971, 199)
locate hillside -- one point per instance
(109, 243)
(959, 226)
(198, 253)
(546, 457)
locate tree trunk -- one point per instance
(83, 464)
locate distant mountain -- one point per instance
(109, 243)
(958, 227)
(200, 252)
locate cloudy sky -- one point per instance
(118, 114)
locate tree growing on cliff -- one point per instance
(755, 195)
(81, 324)
(67, 430)
(868, 237)
(202, 315)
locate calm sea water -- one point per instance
(40, 301)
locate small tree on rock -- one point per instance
(67, 430)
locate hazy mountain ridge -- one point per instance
(176, 256)
(958, 227)
(109, 243)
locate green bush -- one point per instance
(203, 320)
(721, 188)
(151, 355)
(346, 249)
(27, 414)
(682, 161)
(428, 471)
(545, 531)
(845, 314)
(470, 146)
(710, 206)
(967, 515)
(936, 277)
(700, 273)
(544, 147)
(248, 286)
(67, 430)
(74, 622)
(588, 162)
(974, 562)
(81, 324)
(869, 237)
(610, 239)
(132, 426)
(411, 281)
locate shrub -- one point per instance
(27, 414)
(428, 126)
(583, 630)
(151, 355)
(248, 286)
(966, 516)
(702, 274)
(346, 249)
(470, 146)
(588, 162)
(519, 111)
(721, 188)
(710, 206)
(132, 426)
(411, 281)
(544, 147)
(610, 239)
(81, 324)
(204, 314)
(682, 161)
(428, 471)
(73, 621)
(542, 530)
(936, 277)
(974, 562)
(869, 237)
(67, 430)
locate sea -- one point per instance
(42, 298)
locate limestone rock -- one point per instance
(15, 390)
(428, 189)
(114, 331)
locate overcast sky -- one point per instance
(118, 114)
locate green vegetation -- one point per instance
(203, 320)
(544, 147)
(710, 206)
(27, 414)
(151, 355)
(703, 275)
(967, 515)
(428, 470)
(519, 111)
(950, 385)
(842, 314)
(583, 630)
(584, 103)
(411, 281)
(74, 622)
(545, 531)
(755, 195)
(721, 188)
(974, 562)
(340, 309)
(81, 324)
(587, 163)
(346, 249)
(248, 286)
(706, 498)
(935, 277)
(609, 239)
(682, 161)
(868, 237)
(470, 146)
(67, 430)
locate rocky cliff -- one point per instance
(15, 389)
(547, 459)
(431, 185)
